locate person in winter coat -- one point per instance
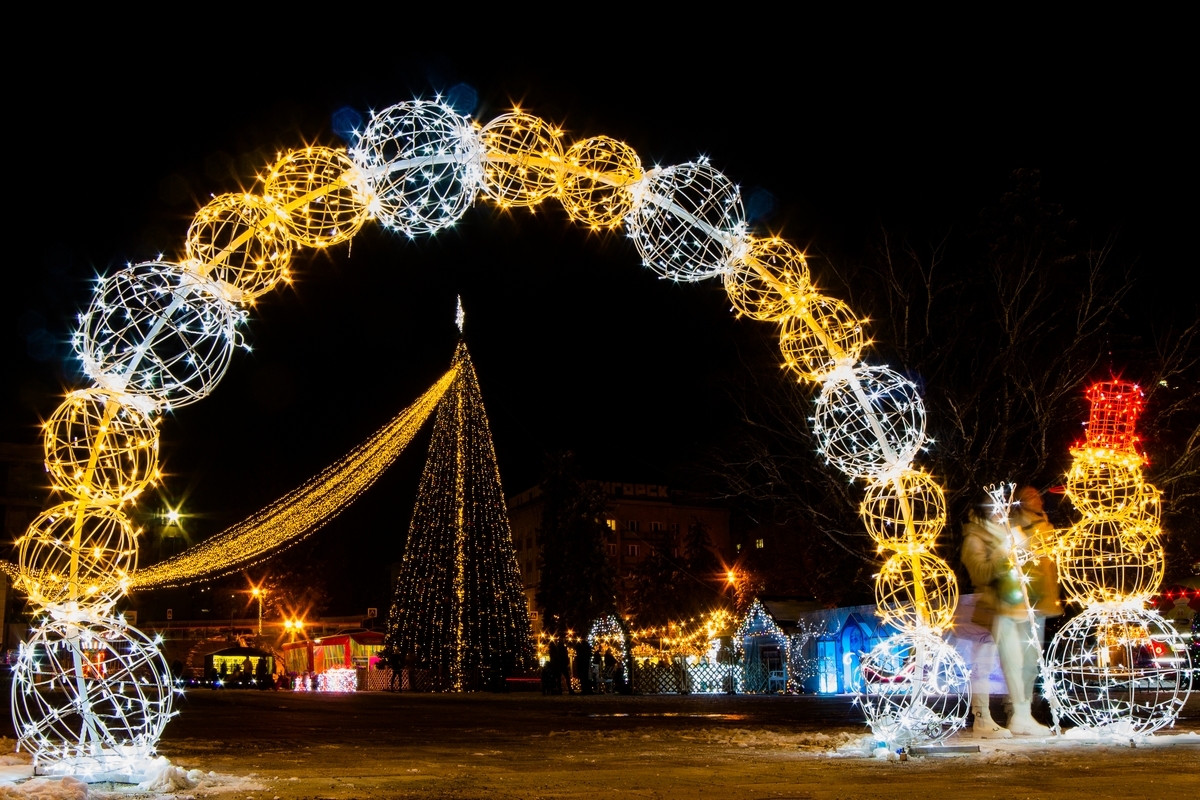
(1012, 569)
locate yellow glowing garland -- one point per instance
(302, 511)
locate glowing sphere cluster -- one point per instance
(239, 242)
(318, 195)
(90, 696)
(1124, 671)
(77, 555)
(917, 689)
(421, 162)
(117, 441)
(1116, 668)
(688, 224)
(159, 331)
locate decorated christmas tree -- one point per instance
(459, 609)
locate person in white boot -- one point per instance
(1014, 599)
(977, 640)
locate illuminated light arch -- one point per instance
(160, 335)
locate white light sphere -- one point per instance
(114, 672)
(870, 421)
(1119, 670)
(421, 160)
(687, 222)
(102, 558)
(917, 689)
(159, 331)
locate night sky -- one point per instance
(576, 345)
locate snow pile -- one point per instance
(45, 789)
(9, 756)
(163, 776)
(1004, 758)
(805, 742)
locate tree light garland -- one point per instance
(1117, 668)
(459, 608)
(160, 335)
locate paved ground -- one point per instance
(526, 746)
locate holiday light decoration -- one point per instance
(99, 432)
(421, 162)
(90, 696)
(302, 511)
(687, 222)
(318, 195)
(338, 679)
(74, 553)
(917, 689)
(459, 608)
(1118, 667)
(240, 243)
(160, 335)
(158, 332)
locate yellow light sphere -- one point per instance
(522, 159)
(99, 448)
(891, 506)
(819, 336)
(238, 240)
(1103, 483)
(595, 175)
(1109, 561)
(76, 553)
(909, 601)
(770, 282)
(319, 196)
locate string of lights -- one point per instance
(459, 608)
(302, 511)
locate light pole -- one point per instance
(258, 593)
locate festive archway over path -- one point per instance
(160, 335)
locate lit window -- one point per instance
(612, 523)
(758, 543)
(738, 547)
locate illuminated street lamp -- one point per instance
(293, 627)
(259, 594)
